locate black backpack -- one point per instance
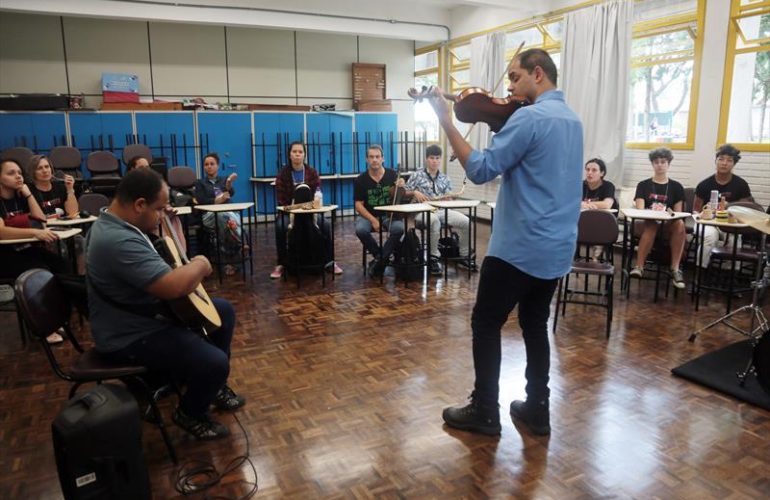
(307, 244)
(409, 258)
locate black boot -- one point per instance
(534, 415)
(475, 417)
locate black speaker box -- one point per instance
(97, 441)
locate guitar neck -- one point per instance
(166, 223)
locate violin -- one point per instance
(475, 104)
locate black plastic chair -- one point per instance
(133, 150)
(45, 309)
(20, 155)
(105, 172)
(595, 228)
(68, 160)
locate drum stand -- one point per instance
(758, 317)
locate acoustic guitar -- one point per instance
(195, 310)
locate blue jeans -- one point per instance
(201, 365)
(364, 233)
(501, 287)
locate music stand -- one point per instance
(760, 222)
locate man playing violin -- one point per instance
(539, 155)
(127, 282)
(432, 184)
(375, 188)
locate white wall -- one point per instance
(172, 60)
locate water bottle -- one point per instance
(318, 199)
(714, 201)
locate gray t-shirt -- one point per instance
(121, 263)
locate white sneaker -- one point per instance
(677, 278)
(277, 273)
(636, 272)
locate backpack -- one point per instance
(307, 244)
(409, 258)
(449, 246)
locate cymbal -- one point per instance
(753, 218)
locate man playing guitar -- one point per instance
(128, 282)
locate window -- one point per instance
(663, 77)
(745, 117)
(426, 71)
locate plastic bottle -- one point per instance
(318, 199)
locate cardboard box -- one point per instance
(120, 82)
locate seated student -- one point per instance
(176, 223)
(217, 189)
(661, 193)
(431, 184)
(127, 282)
(597, 193)
(18, 208)
(729, 186)
(295, 173)
(56, 198)
(375, 188)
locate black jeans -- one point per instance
(501, 287)
(201, 365)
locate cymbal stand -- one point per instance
(758, 317)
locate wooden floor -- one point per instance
(345, 387)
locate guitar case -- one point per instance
(97, 441)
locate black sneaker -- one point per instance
(375, 268)
(472, 266)
(228, 400)
(534, 416)
(434, 266)
(474, 417)
(203, 428)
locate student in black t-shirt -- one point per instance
(373, 188)
(18, 208)
(661, 193)
(50, 193)
(597, 193)
(729, 186)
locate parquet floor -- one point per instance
(345, 386)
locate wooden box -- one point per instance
(368, 82)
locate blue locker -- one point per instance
(273, 132)
(377, 128)
(229, 135)
(330, 137)
(170, 135)
(39, 132)
(95, 131)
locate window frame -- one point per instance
(672, 24)
(737, 12)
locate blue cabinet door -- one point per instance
(330, 148)
(229, 135)
(377, 128)
(273, 132)
(100, 131)
(39, 132)
(170, 135)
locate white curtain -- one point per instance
(487, 66)
(594, 72)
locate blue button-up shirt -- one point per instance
(539, 154)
